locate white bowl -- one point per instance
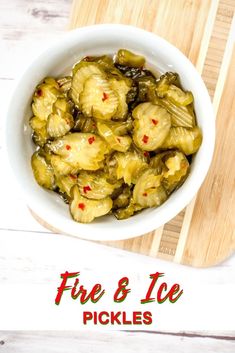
(97, 40)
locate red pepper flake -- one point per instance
(145, 194)
(105, 96)
(145, 139)
(91, 140)
(73, 176)
(146, 154)
(155, 122)
(81, 206)
(184, 164)
(86, 188)
(68, 147)
(39, 92)
(118, 139)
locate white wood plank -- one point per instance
(19, 19)
(100, 342)
(26, 27)
(34, 250)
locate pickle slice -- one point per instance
(65, 184)
(126, 57)
(117, 143)
(177, 170)
(151, 126)
(178, 96)
(149, 191)
(186, 140)
(44, 97)
(42, 171)
(120, 128)
(180, 115)
(61, 167)
(123, 199)
(121, 87)
(84, 124)
(128, 166)
(65, 83)
(85, 210)
(127, 212)
(40, 135)
(94, 185)
(80, 150)
(81, 72)
(60, 121)
(98, 99)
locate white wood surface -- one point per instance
(28, 342)
(31, 256)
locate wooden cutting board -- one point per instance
(203, 234)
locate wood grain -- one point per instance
(213, 217)
(181, 22)
(216, 66)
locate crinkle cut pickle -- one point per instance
(111, 137)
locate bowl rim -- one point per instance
(152, 223)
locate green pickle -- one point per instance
(117, 143)
(65, 184)
(65, 83)
(112, 137)
(84, 124)
(177, 170)
(128, 211)
(80, 150)
(151, 126)
(123, 199)
(44, 97)
(165, 81)
(86, 210)
(126, 57)
(94, 185)
(128, 166)
(39, 127)
(60, 121)
(149, 191)
(81, 73)
(42, 171)
(186, 140)
(98, 99)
